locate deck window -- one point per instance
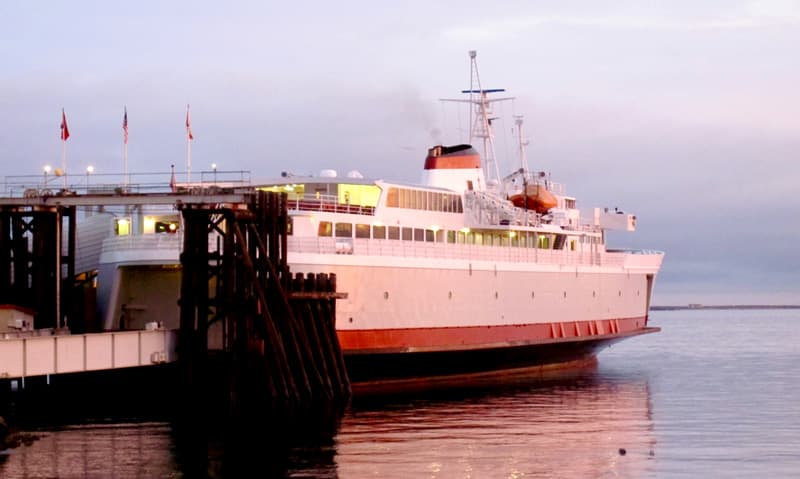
(379, 232)
(325, 228)
(451, 236)
(166, 226)
(429, 236)
(362, 231)
(393, 232)
(419, 234)
(408, 234)
(344, 230)
(122, 226)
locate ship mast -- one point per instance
(522, 142)
(481, 124)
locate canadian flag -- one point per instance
(188, 125)
(64, 128)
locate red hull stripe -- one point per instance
(477, 337)
(452, 162)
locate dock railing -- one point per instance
(96, 183)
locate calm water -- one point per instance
(715, 394)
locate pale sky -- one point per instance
(685, 113)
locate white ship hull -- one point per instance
(412, 306)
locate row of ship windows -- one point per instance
(521, 239)
(423, 200)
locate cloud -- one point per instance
(754, 15)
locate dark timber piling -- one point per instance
(255, 341)
(37, 262)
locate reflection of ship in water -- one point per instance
(576, 427)
(573, 427)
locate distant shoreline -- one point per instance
(725, 306)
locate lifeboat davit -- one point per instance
(536, 197)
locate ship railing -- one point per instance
(328, 204)
(454, 251)
(161, 241)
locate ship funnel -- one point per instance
(456, 168)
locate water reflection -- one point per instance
(569, 427)
(115, 450)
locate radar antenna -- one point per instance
(481, 124)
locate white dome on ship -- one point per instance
(354, 174)
(328, 173)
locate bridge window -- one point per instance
(544, 242)
(393, 198)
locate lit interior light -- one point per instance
(123, 227)
(149, 224)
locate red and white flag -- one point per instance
(188, 125)
(64, 128)
(125, 125)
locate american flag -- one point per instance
(188, 124)
(64, 128)
(125, 125)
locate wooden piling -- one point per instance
(278, 329)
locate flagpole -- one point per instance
(64, 161)
(188, 160)
(188, 147)
(125, 165)
(125, 177)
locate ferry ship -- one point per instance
(466, 272)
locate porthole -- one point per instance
(496, 295)
(594, 294)
(565, 294)
(385, 295)
(450, 295)
(350, 319)
(533, 295)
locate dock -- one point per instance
(274, 345)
